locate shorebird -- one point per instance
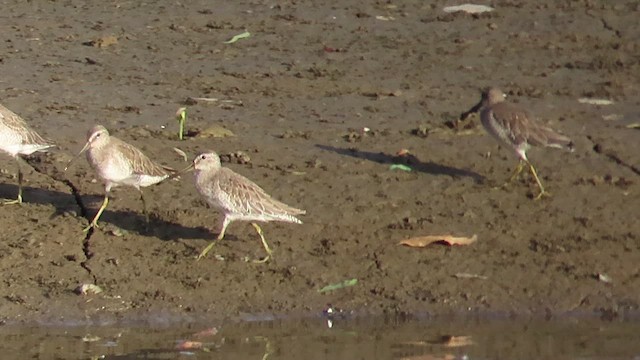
(238, 198)
(119, 163)
(17, 138)
(518, 129)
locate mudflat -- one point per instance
(320, 99)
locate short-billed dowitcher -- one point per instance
(17, 138)
(238, 198)
(518, 129)
(119, 163)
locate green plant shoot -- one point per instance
(182, 119)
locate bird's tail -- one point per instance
(557, 140)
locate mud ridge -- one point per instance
(86, 241)
(83, 211)
(612, 156)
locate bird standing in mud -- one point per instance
(517, 129)
(119, 163)
(17, 138)
(238, 197)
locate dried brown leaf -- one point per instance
(445, 340)
(422, 241)
(469, 276)
(457, 341)
(215, 131)
(430, 357)
(206, 332)
(181, 153)
(88, 289)
(105, 41)
(189, 345)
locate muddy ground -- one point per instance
(298, 95)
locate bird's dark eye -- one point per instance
(203, 156)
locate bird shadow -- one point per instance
(127, 220)
(62, 202)
(408, 159)
(135, 221)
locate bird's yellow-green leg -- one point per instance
(210, 246)
(264, 244)
(182, 119)
(516, 172)
(94, 222)
(535, 176)
(268, 348)
(18, 200)
(144, 206)
(204, 252)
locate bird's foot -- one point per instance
(204, 252)
(542, 194)
(497, 186)
(201, 255)
(18, 200)
(12, 202)
(505, 185)
(93, 225)
(263, 260)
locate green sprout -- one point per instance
(244, 35)
(181, 115)
(340, 285)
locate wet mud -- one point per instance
(320, 99)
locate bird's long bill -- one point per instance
(180, 172)
(86, 146)
(187, 169)
(473, 109)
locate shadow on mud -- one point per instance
(409, 160)
(62, 202)
(134, 221)
(128, 220)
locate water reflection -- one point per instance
(345, 339)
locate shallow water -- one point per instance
(337, 339)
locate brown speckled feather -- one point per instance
(517, 129)
(517, 126)
(246, 197)
(238, 198)
(16, 124)
(140, 163)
